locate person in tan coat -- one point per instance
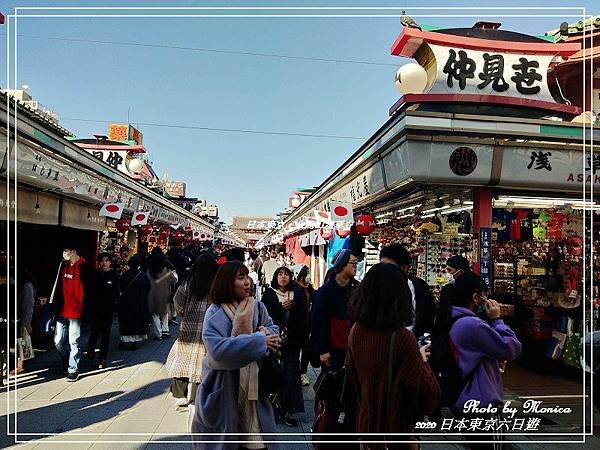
(394, 385)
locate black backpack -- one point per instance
(444, 363)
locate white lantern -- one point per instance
(135, 165)
(411, 79)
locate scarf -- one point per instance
(241, 315)
(283, 296)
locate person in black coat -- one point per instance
(286, 304)
(133, 304)
(103, 301)
(422, 298)
(330, 324)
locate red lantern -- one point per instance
(343, 231)
(123, 225)
(164, 233)
(326, 233)
(365, 224)
(145, 230)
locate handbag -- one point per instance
(24, 346)
(270, 373)
(334, 410)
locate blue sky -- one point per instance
(245, 174)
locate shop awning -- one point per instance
(26, 201)
(76, 215)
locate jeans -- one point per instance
(160, 324)
(67, 339)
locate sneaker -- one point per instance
(166, 334)
(158, 338)
(102, 364)
(73, 376)
(181, 402)
(305, 380)
(290, 421)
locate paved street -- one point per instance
(127, 401)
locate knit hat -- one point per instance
(459, 263)
(340, 259)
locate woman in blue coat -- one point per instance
(237, 333)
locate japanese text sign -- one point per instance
(466, 71)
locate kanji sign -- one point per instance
(463, 161)
(486, 73)
(485, 256)
(540, 160)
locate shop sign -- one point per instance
(467, 71)
(358, 190)
(114, 158)
(550, 168)
(485, 256)
(463, 161)
(438, 162)
(124, 132)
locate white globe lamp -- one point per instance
(411, 78)
(136, 165)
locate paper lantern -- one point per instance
(365, 224)
(326, 233)
(164, 233)
(135, 165)
(411, 78)
(122, 225)
(145, 230)
(343, 231)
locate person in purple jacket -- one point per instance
(480, 347)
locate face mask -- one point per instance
(66, 255)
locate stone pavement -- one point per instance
(129, 401)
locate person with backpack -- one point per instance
(394, 384)
(466, 350)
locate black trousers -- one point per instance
(292, 399)
(100, 328)
(304, 360)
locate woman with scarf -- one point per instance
(286, 304)
(237, 334)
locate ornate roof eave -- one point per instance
(411, 39)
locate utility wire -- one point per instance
(224, 130)
(210, 50)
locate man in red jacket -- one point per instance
(71, 289)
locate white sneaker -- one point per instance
(180, 402)
(305, 380)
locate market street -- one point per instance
(132, 396)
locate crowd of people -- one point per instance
(251, 323)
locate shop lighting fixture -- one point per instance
(427, 216)
(37, 203)
(407, 215)
(409, 207)
(435, 209)
(543, 202)
(387, 214)
(453, 210)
